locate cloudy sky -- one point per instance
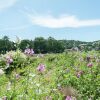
(61, 19)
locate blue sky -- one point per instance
(61, 19)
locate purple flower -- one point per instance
(9, 59)
(41, 68)
(68, 98)
(29, 51)
(89, 65)
(79, 74)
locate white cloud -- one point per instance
(4, 4)
(62, 21)
(14, 28)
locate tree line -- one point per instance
(50, 45)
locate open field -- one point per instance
(66, 76)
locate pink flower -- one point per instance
(9, 59)
(41, 68)
(29, 51)
(89, 65)
(68, 98)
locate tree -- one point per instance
(26, 44)
(40, 45)
(54, 46)
(6, 38)
(6, 45)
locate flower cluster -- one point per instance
(61, 79)
(29, 51)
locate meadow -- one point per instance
(64, 76)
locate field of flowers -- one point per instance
(67, 76)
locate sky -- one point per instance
(61, 19)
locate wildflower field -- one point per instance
(64, 76)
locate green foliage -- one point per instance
(49, 45)
(26, 44)
(25, 82)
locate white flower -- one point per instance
(58, 85)
(54, 89)
(32, 75)
(39, 91)
(1, 72)
(9, 86)
(7, 66)
(0, 98)
(38, 85)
